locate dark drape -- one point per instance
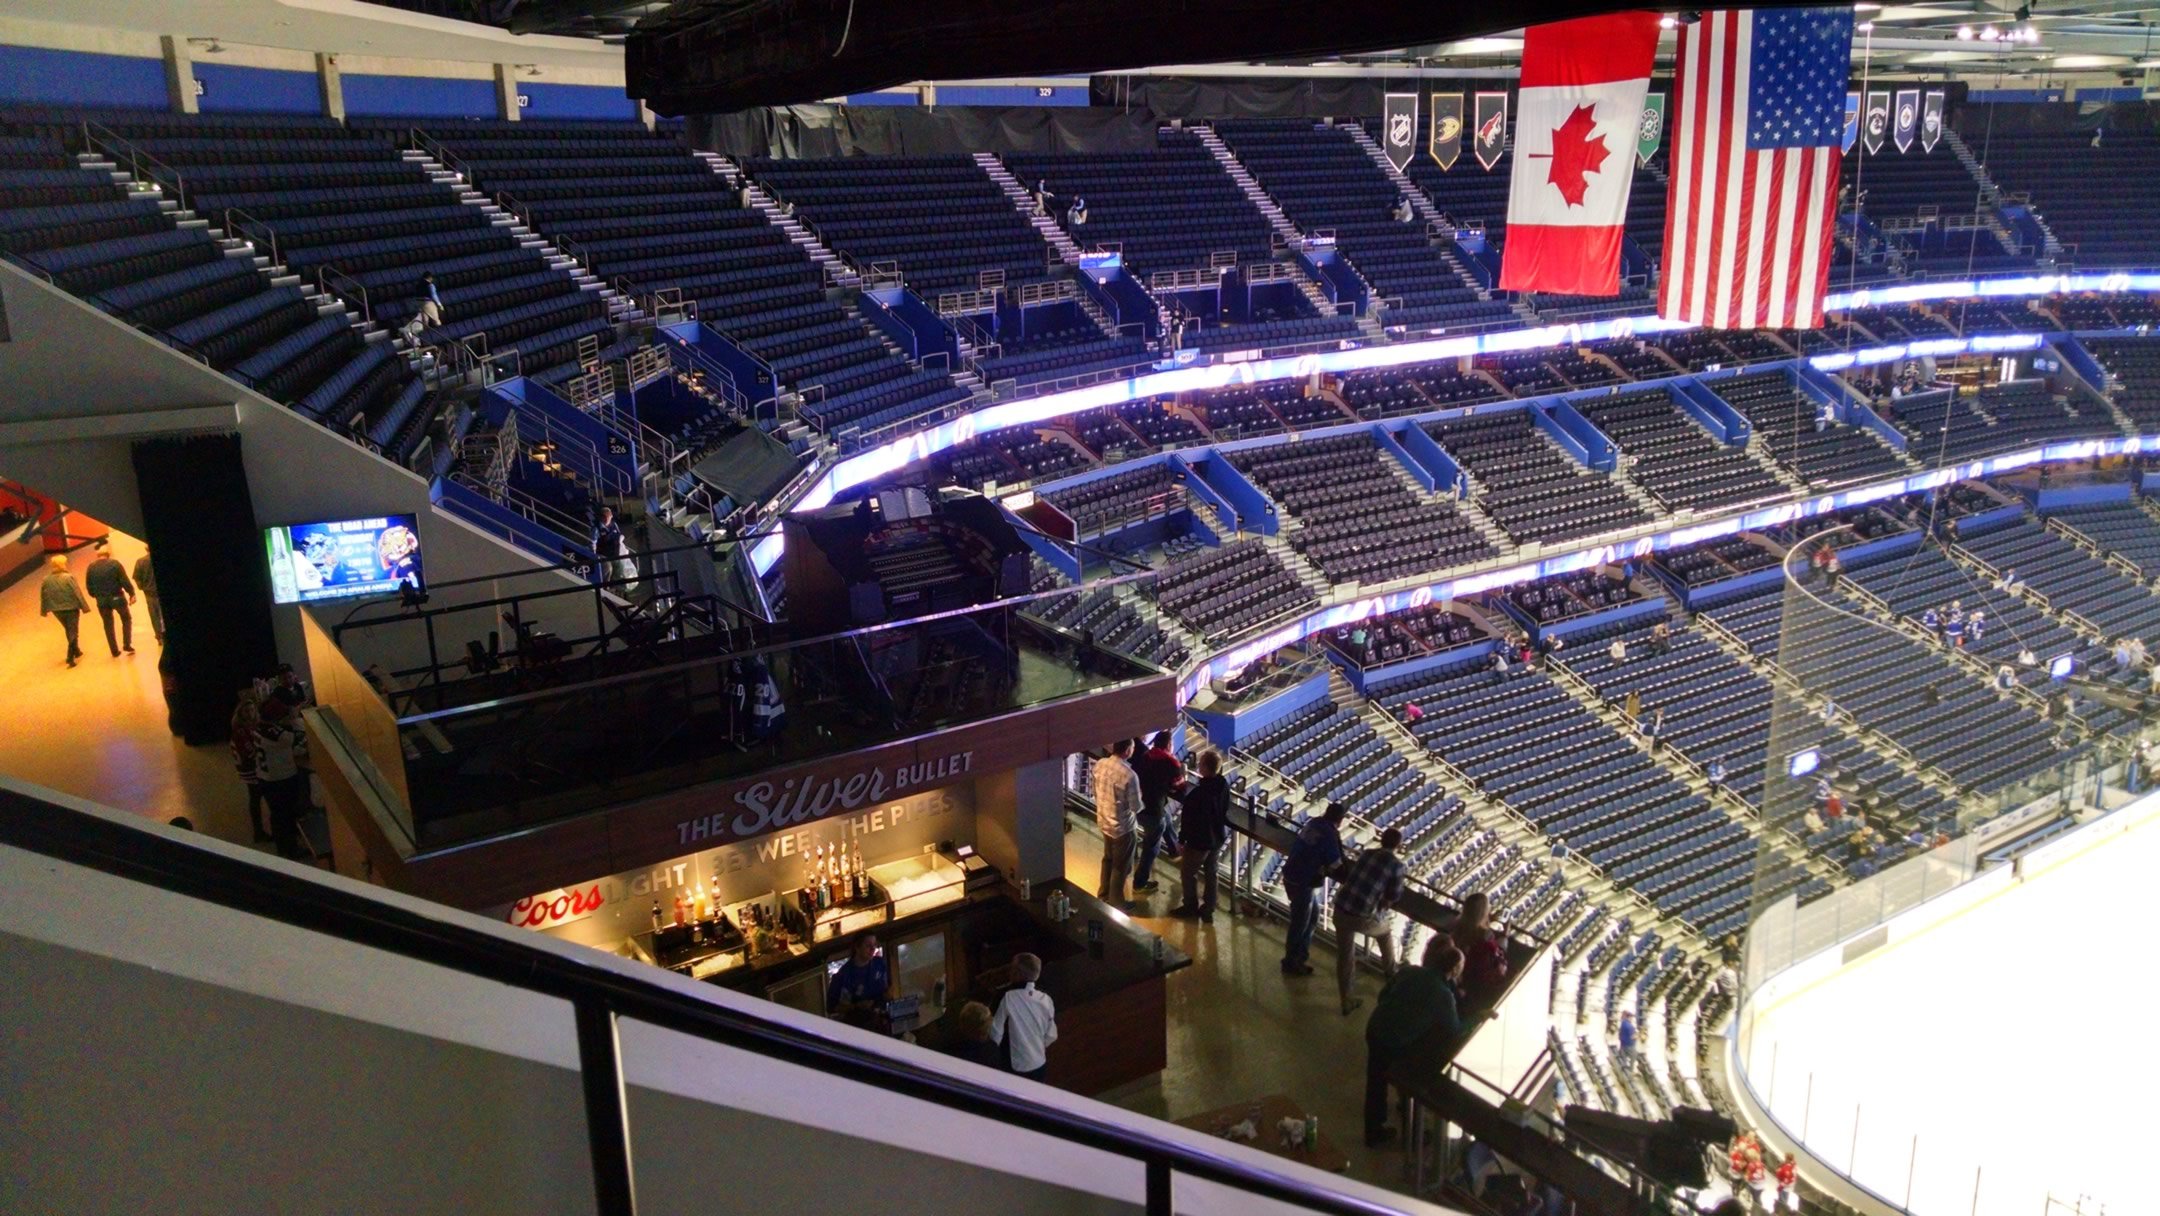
(213, 580)
(1976, 119)
(826, 130)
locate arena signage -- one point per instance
(766, 806)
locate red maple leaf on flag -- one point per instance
(1575, 152)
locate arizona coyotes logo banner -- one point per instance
(1398, 129)
(1875, 122)
(1444, 144)
(1931, 121)
(1908, 118)
(1490, 138)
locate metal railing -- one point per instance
(239, 224)
(423, 142)
(331, 281)
(138, 163)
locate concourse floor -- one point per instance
(99, 731)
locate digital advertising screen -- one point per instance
(343, 558)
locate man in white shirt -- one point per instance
(1026, 1020)
(1117, 811)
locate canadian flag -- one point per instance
(1577, 118)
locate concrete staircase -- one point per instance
(1284, 229)
(1052, 233)
(621, 309)
(838, 271)
(723, 166)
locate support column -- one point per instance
(179, 75)
(506, 94)
(1020, 821)
(331, 82)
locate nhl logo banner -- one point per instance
(1399, 129)
(1931, 121)
(1489, 137)
(1875, 122)
(1445, 142)
(1651, 132)
(1852, 121)
(1908, 118)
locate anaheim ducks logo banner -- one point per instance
(1445, 142)
(1489, 137)
(1398, 129)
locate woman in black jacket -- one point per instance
(1203, 830)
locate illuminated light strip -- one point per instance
(1229, 662)
(899, 453)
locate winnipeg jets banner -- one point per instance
(1651, 132)
(1931, 121)
(1489, 137)
(1398, 129)
(1875, 121)
(1908, 118)
(1852, 121)
(1445, 142)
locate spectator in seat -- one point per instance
(1660, 638)
(2005, 678)
(1414, 1004)
(1485, 965)
(429, 315)
(1117, 812)
(1617, 652)
(1411, 713)
(1716, 773)
(1404, 212)
(1203, 830)
(2009, 580)
(1161, 774)
(2026, 658)
(60, 597)
(1368, 890)
(1314, 855)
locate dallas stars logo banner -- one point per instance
(1444, 144)
(1650, 133)
(1398, 129)
(1579, 116)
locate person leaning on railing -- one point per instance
(1419, 1002)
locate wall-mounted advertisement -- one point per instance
(341, 559)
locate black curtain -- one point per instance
(828, 130)
(1978, 119)
(213, 579)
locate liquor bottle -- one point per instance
(862, 879)
(656, 918)
(817, 870)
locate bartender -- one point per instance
(857, 990)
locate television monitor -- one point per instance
(2061, 666)
(1804, 762)
(342, 559)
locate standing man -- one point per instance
(1026, 1020)
(428, 315)
(1117, 813)
(107, 582)
(1418, 1001)
(1161, 774)
(1316, 852)
(1627, 1038)
(58, 596)
(613, 550)
(146, 582)
(1363, 899)
(281, 768)
(1203, 830)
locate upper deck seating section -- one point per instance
(946, 224)
(1672, 456)
(2072, 578)
(1358, 520)
(1223, 591)
(1393, 393)
(2120, 529)
(2135, 364)
(2076, 187)
(1798, 434)
(1172, 208)
(1532, 489)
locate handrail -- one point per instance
(423, 142)
(98, 137)
(604, 994)
(326, 278)
(247, 224)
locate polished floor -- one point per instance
(98, 731)
(1239, 1029)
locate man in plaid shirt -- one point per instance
(1363, 897)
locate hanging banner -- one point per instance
(1489, 138)
(1445, 142)
(1651, 133)
(1398, 129)
(1875, 122)
(1907, 127)
(1852, 121)
(1931, 120)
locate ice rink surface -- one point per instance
(2015, 1039)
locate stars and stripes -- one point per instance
(1758, 120)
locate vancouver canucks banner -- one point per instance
(1852, 121)
(1931, 121)
(1652, 131)
(1908, 119)
(1489, 136)
(1445, 142)
(1875, 121)
(1399, 129)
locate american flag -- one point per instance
(1759, 119)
